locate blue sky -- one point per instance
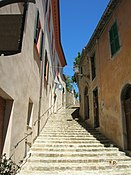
(78, 19)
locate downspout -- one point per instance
(40, 97)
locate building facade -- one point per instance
(105, 89)
(32, 85)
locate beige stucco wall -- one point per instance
(20, 79)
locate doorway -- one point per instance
(126, 108)
(86, 104)
(96, 108)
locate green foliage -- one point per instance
(77, 59)
(74, 79)
(7, 166)
(69, 84)
(76, 95)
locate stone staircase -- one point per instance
(66, 147)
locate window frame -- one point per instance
(114, 42)
(93, 66)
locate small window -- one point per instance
(46, 6)
(49, 17)
(38, 36)
(37, 27)
(93, 66)
(41, 45)
(30, 111)
(114, 39)
(46, 66)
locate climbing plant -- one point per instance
(7, 166)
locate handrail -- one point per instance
(20, 142)
(42, 115)
(23, 139)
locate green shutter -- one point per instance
(45, 63)
(41, 45)
(36, 27)
(114, 39)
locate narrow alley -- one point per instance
(66, 146)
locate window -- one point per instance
(81, 70)
(37, 27)
(30, 111)
(46, 6)
(38, 36)
(93, 67)
(41, 45)
(114, 39)
(46, 66)
(49, 16)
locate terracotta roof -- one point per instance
(56, 22)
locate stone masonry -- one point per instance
(66, 146)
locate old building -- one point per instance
(105, 89)
(32, 85)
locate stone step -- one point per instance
(69, 131)
(74, 145)
(45, 167)
(97, 172)
(111, 159)
(77, 149)
(69, 135)
(72, 141)
(66, 140)
(69, 138)
(74, 154)
(72, 136)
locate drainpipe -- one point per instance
(40, 97)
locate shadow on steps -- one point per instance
(99, 136)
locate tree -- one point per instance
(77, 59)
(69, 83)
(76, 63)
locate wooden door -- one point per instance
(127, 107)
(86, 107)
(2, 113)
(96, 108)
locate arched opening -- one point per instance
(126, 114)
(86, 104)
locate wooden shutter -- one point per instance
(45, 63)
(114, 39)
(36, 27)
(41, 45)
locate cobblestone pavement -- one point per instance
(65, 146)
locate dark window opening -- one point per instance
(41, 45)
(29, 118)
(37, 27)
(93, 67)
(46, 6)
(96, 108)
(46, 66)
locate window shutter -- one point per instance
(36, 27)
(45, 63)
(41, 45)
(114, 39)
